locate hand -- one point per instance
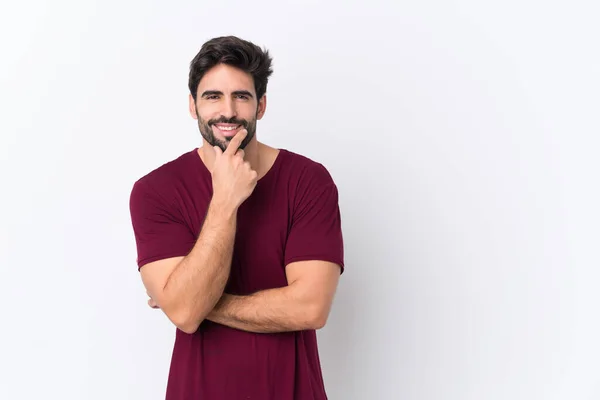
(233, 178)
(151, 301)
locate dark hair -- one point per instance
(232, 51)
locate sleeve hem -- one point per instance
(317, 258)
(163, 256)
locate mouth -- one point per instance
(227, 130)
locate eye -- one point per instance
(212, 97)
(242, 96)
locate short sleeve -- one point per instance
(159, 232)
(316, 231)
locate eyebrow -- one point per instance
(219, 93)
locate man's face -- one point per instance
(225, 103)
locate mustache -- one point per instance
(232, 120)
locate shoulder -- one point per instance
(305, 170)
(308, 181)
(167, 172)
(163, 179)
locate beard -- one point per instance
(206, 130)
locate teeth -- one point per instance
(224, 128)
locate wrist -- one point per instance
(216, 314)
(222, 209)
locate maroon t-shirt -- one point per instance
(292, 215)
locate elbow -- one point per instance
(318, 323)
(185, 318)
(185, 322)
(189, 328)
(318, 318)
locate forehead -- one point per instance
(226, 78)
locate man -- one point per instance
(239, 243)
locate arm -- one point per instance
(187, 288)
(315, 235)
(303, 304)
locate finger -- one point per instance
(241, 153)
(236, 142)
(217, 150)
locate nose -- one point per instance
(229, 109)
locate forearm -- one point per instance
(197, 283)
(273, 310)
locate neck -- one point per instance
(251, 154)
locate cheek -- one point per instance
(208, 111)
(202, 120)
(206, 116)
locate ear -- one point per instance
(262, 107)
(192, 106)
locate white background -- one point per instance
(464, 139)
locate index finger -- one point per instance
(235, 143)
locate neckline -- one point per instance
(267, 175)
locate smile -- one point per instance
(227, 129)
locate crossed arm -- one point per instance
(190, 289)
(303, 304)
